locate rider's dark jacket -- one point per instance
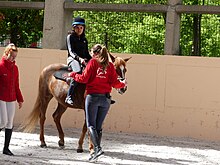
(77, 46)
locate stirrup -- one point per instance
(69, 100)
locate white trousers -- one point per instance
(7, 113)
(75, 65)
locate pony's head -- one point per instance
(120, 67)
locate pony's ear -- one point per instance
(126, 59)
(112, 57)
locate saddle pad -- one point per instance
(59, 74)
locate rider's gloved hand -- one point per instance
(67, 77)
(82, 61)
(68, 80)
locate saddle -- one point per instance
(59, 74)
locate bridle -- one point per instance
(120, 66)
(121, 70)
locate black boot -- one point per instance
(99, 133)
(96, 142)
(73, 85)
(8, 133)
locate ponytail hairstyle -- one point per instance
(9, 48)
(102, 55)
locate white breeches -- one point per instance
(7, 113)
(74, 64)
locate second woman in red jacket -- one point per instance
(9, 93)
(99, 76)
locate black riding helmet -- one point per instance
(78, 21)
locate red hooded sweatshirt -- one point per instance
(96, 79)
(9, 82)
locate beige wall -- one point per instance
(167, 95)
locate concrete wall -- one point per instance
(166, 96)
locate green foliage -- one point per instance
(126, 32)
(186, 34)
(201, 2)
(22, 26)
(144, 33)
(210, 36)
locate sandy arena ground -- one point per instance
(120, 149)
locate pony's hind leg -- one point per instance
(42, 117)
(81, 139)
(42, 140)
(57, 116)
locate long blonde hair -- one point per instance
(102, 56)
(9, 48)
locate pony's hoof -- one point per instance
(79, 150)
(61, 145)
(43, 146)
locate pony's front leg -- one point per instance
(42, 140)
(81, 139)
(57, 116)
(91, 146)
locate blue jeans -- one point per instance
(96, 107)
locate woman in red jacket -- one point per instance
(9, 93)
(99, 76)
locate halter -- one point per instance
(120, 63)
(122, 73)
(120, 66)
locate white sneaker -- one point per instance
(69, 101)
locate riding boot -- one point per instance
(99, 132)
(73, 85)
(96, 142)
(8, 133)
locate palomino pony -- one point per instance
(50, 87)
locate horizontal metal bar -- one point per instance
(196, 9)
(116, 7)
(152, 8)
(22, 5)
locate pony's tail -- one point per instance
(31, 121)
(43, 98)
